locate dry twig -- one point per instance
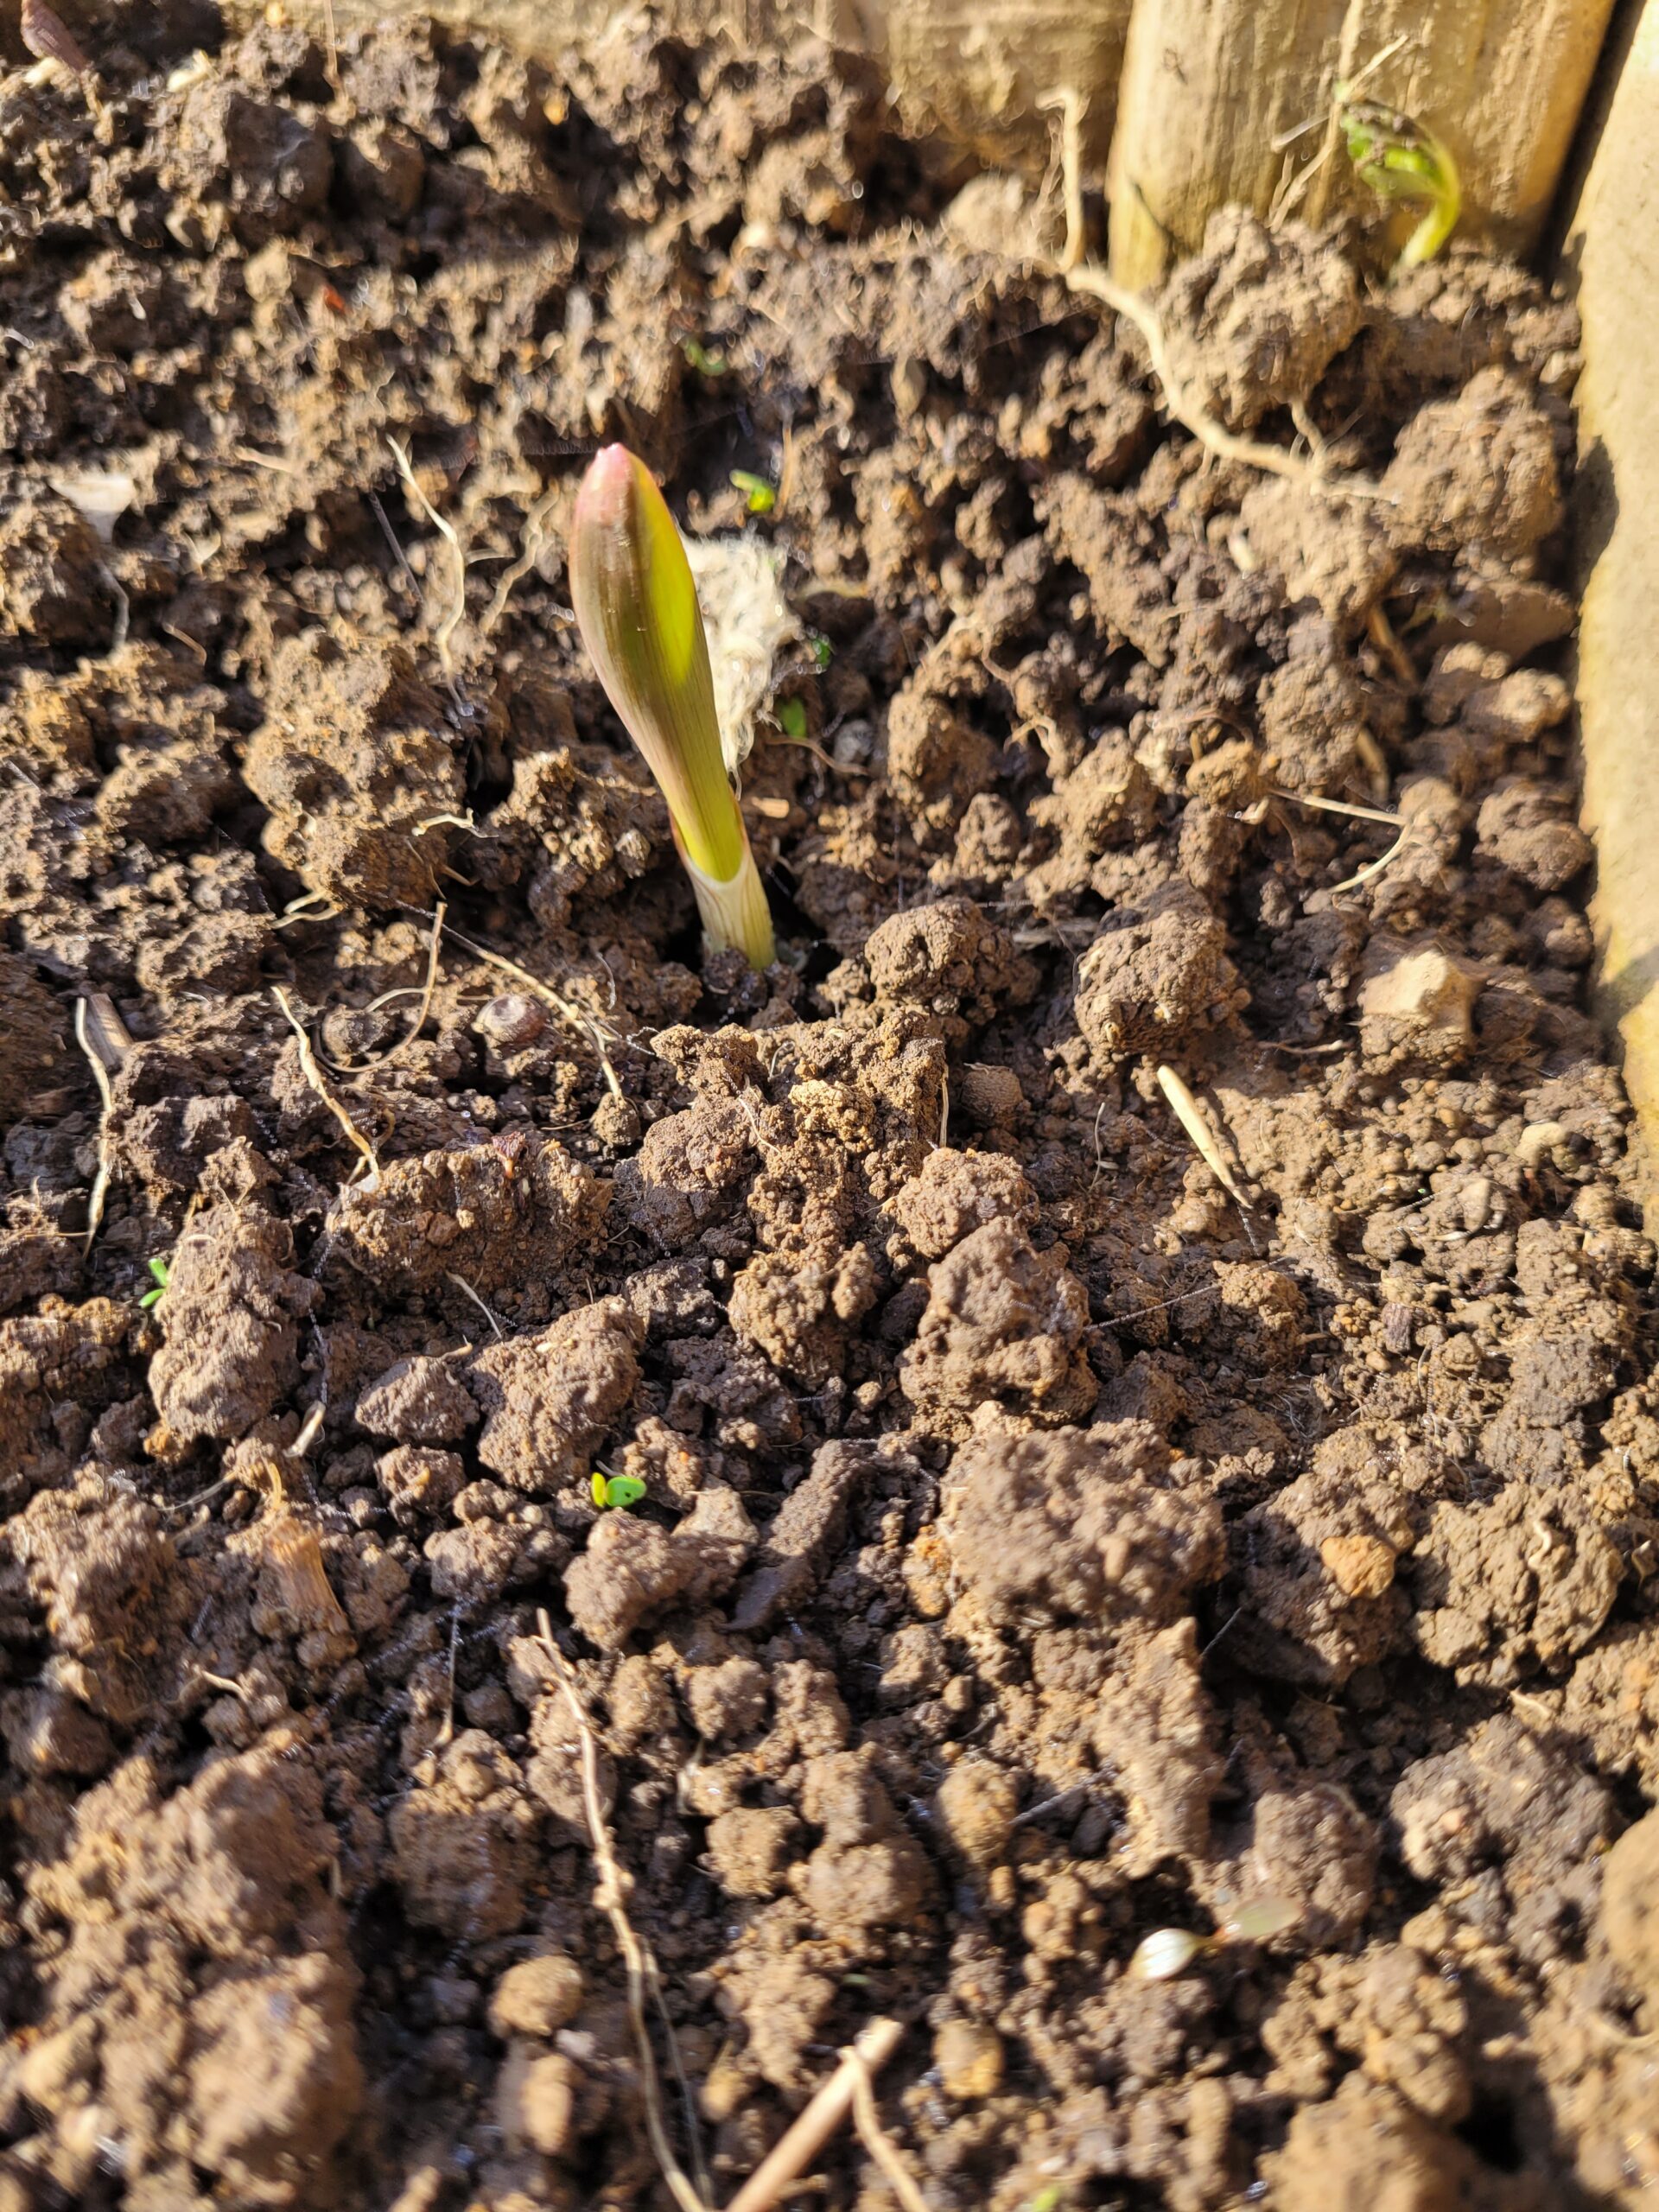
(531, 546)
(1088, 278)
(313, 1077)
(1193, 1119)
(875, 2139)
(461, 1283)
(444, 634)
(789, 2157)
(105, 1048)
(610, 1894)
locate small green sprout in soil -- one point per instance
(163, 1272)
(699, 358)
(760, 496)
(791, 717)
(1400, 158)
(637, 609)
(823, 652)
(611, 1491)
(1169, 1951)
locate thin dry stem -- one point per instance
(610, 1894)
(1372, 868)
(1341, 806)
(535, 537)
(1386, 638)
(1072, 106)
(1090, 279)
(1193, 1119)
(788, 2159)
(444, 634)
(876, 2140)
(461, 1283)
(1178, 402)
(314, 1081)
(434, 954)
(102, 1054)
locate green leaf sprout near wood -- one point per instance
(1400, 158)
(612, 1492)
(791, 717)
(706, 364)
(636, 607)
(761, 497)
(163, 1272)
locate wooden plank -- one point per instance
(1211, 88)
(1610, 244)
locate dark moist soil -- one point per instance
(1037, 1549)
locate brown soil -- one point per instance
(1037, 1548)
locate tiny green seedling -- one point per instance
(823, 652)
(759, 493)
(1169, 1951)
(791, 717)
(636, 605)
(1400, 158)
(612, 1492)
(706, 364)
(163, 1274)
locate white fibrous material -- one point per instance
(748, 622)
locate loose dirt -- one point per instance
(1038, 1549)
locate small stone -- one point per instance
(510, 1021)
(537, 1997)
(1424, 990)
(977, 1801)
(969, 2060)
(990, 1096)
(1362, 1567)
(537, 2102)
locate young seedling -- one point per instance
(791, 717)
(1402, 159)
(611, 1491)
(163, 1274)
(759, 493)
(1169, 1951)
(699, 357)
(637, 608)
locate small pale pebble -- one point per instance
(1361, 1566)
(970, 2059)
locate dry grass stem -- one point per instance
(461, 1283)
(314, 1081)
(530, 548)
(790, 2156)
(434, 956)
(1193, 1120)
(102, 1036)
(1386, 638)
(1372, 868)
(1088, 278)
(1072, 108)
(443, 635)
(610, 1896)
(1342, 806)
(875, 2139)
